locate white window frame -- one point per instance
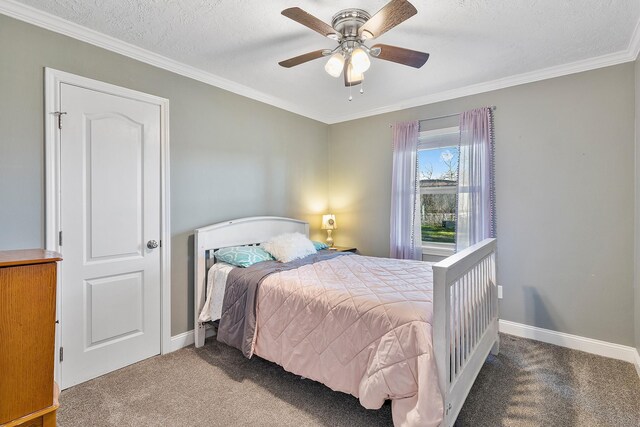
(428, 140)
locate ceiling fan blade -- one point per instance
(403, 56)
(301, 59)
(392, 14)
(310, 21)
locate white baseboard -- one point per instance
(185, 339)
(575, 342)
(637, 362)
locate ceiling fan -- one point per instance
(351, 28)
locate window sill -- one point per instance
(438, 249)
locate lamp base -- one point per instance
(329, 238)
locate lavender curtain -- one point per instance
(476, 194)
(406, 240)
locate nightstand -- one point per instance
(343, 249)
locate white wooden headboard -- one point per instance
(238, 232)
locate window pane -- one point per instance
(438, 170)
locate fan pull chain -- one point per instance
(362, 87)
(350, 96)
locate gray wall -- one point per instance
(637, 211)
(565, 196)
(230, 156)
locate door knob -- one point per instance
(152, 244)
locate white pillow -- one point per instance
(289, 246)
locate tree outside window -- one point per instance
(438, 171)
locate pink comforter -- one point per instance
(360, 325)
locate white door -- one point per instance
(110, 219)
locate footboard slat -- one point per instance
(474, 312)
(458, 340)
(466, 331)
(465, 324)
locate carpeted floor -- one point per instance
(528, 384)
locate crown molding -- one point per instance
(516, 80)
(59, 25)
(62, 26)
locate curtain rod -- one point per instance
(493, 108)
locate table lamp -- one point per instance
(329, 224)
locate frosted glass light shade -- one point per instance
(329, 222)
(335, 64)
(353, 78)
(360, 61)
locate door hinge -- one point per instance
(61, 354)
(59, 114)
(59, 238)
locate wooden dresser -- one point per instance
(28, 394)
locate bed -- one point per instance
(413, 332)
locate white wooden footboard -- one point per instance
(465, 310)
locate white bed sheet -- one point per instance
(216, 286)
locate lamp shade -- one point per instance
(329, 222)
(353, 78)
(360, 61)
(335, 64)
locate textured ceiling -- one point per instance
(470, 42)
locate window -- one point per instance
(438, 173)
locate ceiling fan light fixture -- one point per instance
(360, 61)
(353, 77)
(352, 28)
(335, 64)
